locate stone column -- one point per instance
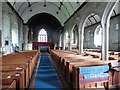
(60, 41)
(119, 38)
(70, 39)
(105, 41)
(25, 37)
(80, 42)
(119, 31)
(1, 49)
(1, 25)
(11, 22)
(63, 42)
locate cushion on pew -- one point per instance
(94, 71)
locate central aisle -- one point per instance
(46, 75)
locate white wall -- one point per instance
(12, 27)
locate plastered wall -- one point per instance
(12, 27)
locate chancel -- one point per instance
(59, 44)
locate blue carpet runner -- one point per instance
(46, 77)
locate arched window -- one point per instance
(73, 39)
(42, 36)
(60, 41)
(97, 36)
(66, 37)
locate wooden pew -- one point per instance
(8, 83)
(60, 58)
(96, 54)
(25, 59)
(15, 62)
(18, 76)
(27, 68)
(74, 69)
(66, 60)
(67, 63)
(14, 68)
(57, 56)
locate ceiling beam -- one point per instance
(84, 3)
(14, 10)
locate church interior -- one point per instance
(60, 44)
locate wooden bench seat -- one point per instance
(8, 83)
(17, 69)
(68, 62)
(75, 76)
(22, 63)
(21, 58)
(112, 55)
(18, 76)
(83, 63)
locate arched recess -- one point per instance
(83, 24)
(49, 23)
(114, 29)
(105, 22)
(91, 25)
(74, 37)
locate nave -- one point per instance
(81, 38)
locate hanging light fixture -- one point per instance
(61, 3)
(59, 8)
(30, 9)
(77, 2)
(29, 5)
(44, 3)
(57, 12)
